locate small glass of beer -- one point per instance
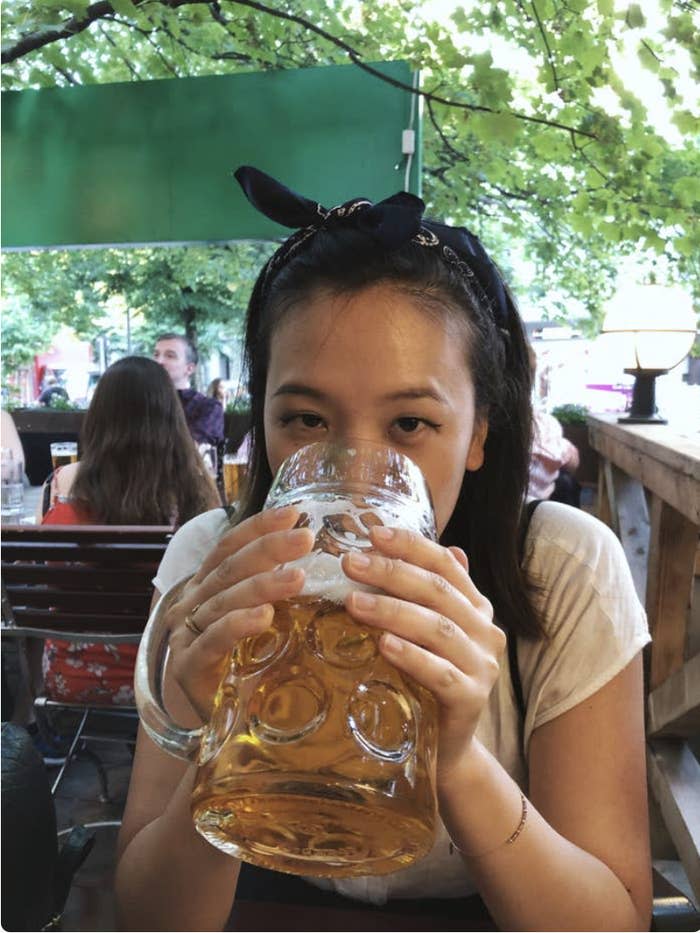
(235, 472)
(63, 453)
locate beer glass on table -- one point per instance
(319, 754)
(63, 453)
(235, 473)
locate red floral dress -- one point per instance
(100, 674)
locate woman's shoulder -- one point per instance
(189, 545)
(202, 531)
(580, 575)
(559, 532)
(593, 620)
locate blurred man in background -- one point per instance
(205, 415)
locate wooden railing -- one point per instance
(649, 494)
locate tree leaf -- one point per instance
(124, 8)
(635, 17)
(687, 190)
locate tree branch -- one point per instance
(527, 196)
(72, 27)
(355, 58)
(147, 36)
(134, 73)
(64, 73)
(103, 9)
(550, 57)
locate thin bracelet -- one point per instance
(509, 841)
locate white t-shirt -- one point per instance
(594, 626)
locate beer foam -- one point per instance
(323, 570)
(324, 577)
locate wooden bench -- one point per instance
(80, 583)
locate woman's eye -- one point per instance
(304, 419)
(311, 421)
(412, 426)
(409, 425)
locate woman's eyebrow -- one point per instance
(416, 393)
(297, 388)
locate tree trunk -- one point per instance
(189, 321)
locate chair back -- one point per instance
(74, 581)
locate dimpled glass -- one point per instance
(319, 756)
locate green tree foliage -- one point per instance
(534, 136)
(201, 291)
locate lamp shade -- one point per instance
(653, 325)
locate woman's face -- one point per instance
(375, 366)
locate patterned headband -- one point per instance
(390, 224)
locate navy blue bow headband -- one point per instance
(390, 224)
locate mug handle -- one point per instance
(151, 659)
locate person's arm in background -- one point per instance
(10, 436)
(570, 456)
(60, 483)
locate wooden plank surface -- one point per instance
(666, 463)
(680, 452)
(674, 707)
(672, 547)
(632, 525)
(674, 776)
(139, 534)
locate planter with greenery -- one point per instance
(572, 418)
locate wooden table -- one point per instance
(649, 494)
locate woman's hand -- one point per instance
(231, 596)
(438, 628)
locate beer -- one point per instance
(63, 453)
(317, 757)
(234, 478)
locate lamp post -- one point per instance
(656, 327)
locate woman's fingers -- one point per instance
(245, 533)
(259, 555)
(258, 590)
(431, 577)
(208, 653)
(219, 637)
(250, 562)
(454, 690)
(422, 627)
(449, 563)
(231, 597)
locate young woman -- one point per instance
(371, 322)
(139, 466)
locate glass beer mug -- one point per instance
(319, 755)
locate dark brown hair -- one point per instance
(139, 464)
(488, 514)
